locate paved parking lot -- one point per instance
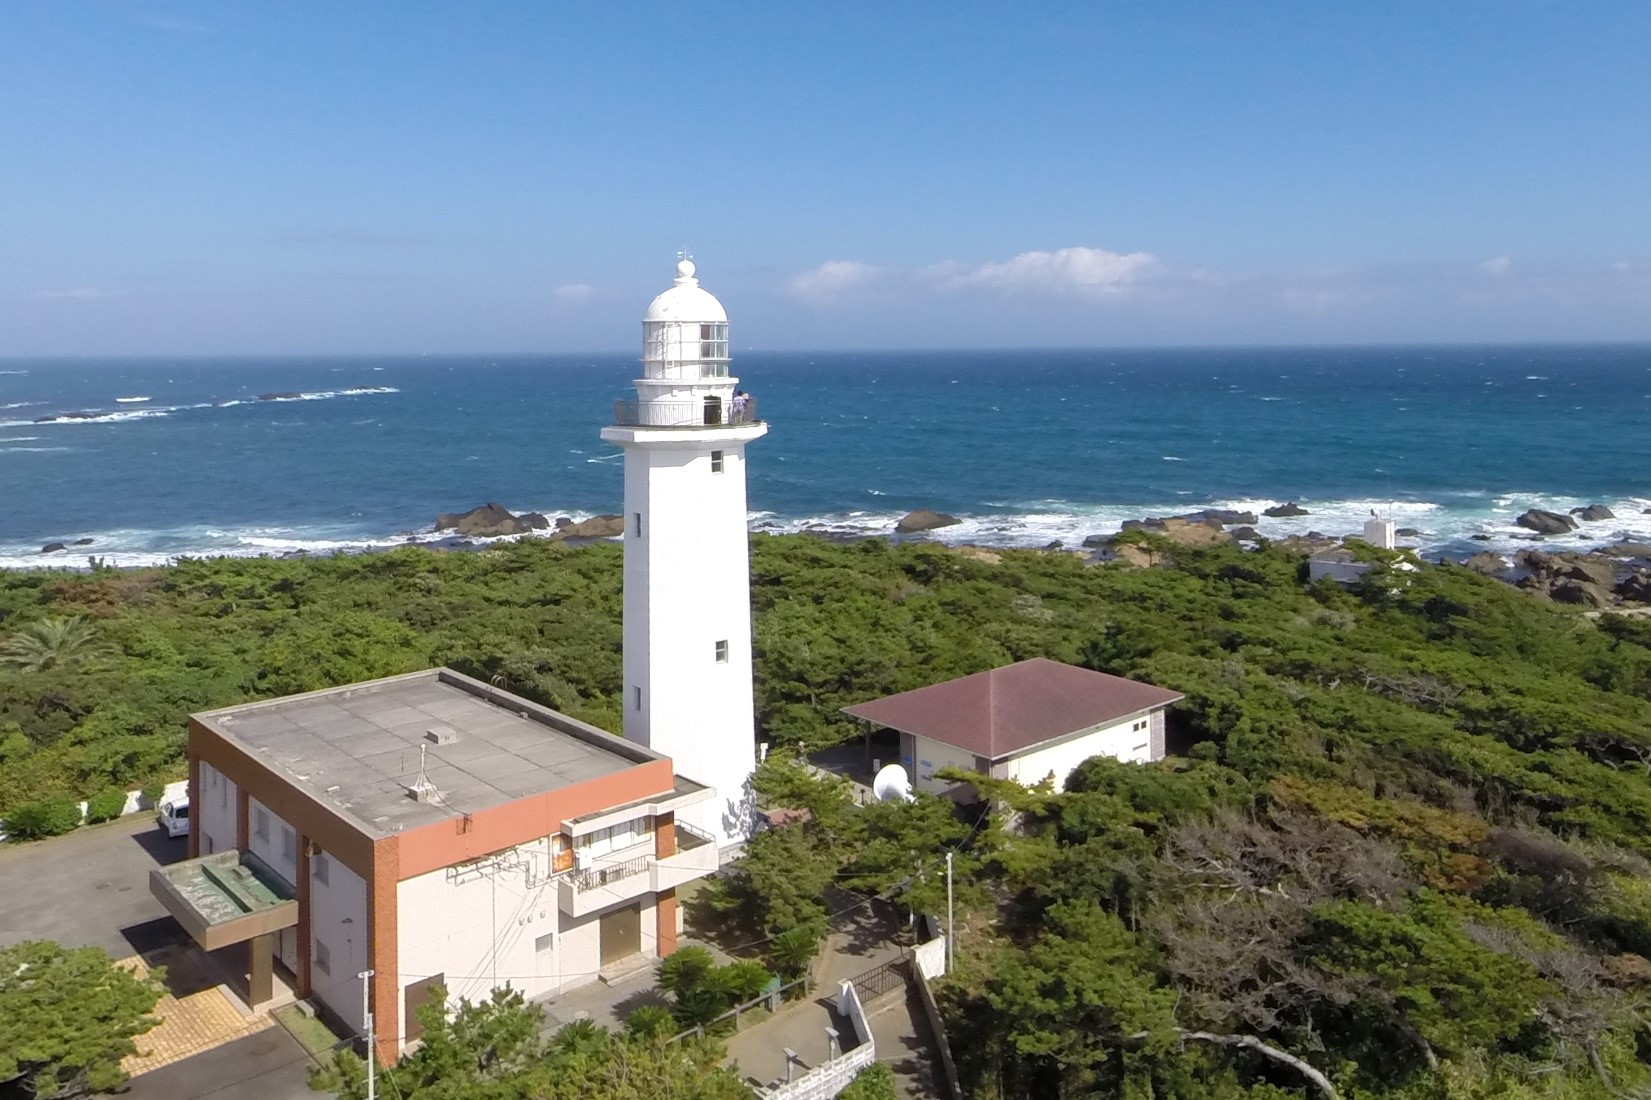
(89, 888)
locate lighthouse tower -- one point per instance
(687, 560)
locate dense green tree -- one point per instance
(68, 1016)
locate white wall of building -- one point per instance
(931, 757)
(687, 587)
(1129, 740)
(272, 840)
(339, 934)
(496, 922)
(214, 807)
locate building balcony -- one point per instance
(710, 413)
(624, 875)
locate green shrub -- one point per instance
(105, 805)
(875, 1082)
(153, 791)
(651, 1022)
(48, 817)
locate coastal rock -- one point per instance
(83, 542)
(1183, 533)
(1055, 545)
(288, 395)
(54, 547)
(1636, 587)
(1407, 533)
(1546, 523)
(563, 521)
(1281, 511)
(1245, 534)
(535, 520)
(1581, 579)
(978, 553)
(1487, 563)
(1480, 538)
(1095, 542)
(1224, 516)
(597, 527)
(1627, 550)
(924, 520)
(488, 521)
(1594, 513)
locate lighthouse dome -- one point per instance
(686, 301)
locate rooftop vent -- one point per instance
(424, 791)
(441, 735)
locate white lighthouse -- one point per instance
(687, 560)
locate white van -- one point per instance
(173, 817)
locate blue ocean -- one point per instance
(153, 459)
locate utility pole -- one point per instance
(367, 1020)
(951, 930)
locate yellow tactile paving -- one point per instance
(195, 1014)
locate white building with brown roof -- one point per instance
(1025, 721)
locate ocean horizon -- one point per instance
(156, 458)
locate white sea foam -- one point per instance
(131, 400)
(1443, 527)
(20, 439)
(19, 404)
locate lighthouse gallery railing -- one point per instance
(682, 414)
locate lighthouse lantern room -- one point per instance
(687, 619)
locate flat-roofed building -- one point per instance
(1026, 721)
(434, 830)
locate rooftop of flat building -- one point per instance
(358, 748)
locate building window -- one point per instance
(636, 524)
(321, 868)
(323, 958)
(260, 828)
(612, 838)
(289, 845)
(636, 698)
(716, 462)
(209, 845)
(722, 652)
(544, 943)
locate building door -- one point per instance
(713, 410)
(415, 997)
(621, 934)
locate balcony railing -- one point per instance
(605, 874)
(688, 837)
(711, 413)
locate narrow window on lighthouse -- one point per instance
(637, 516)
(716, 462)
(722, 652)
(636, 695)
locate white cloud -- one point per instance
(1499, 266)
(1063, 271)
(830, 279)
(79, 293)
(574, 293)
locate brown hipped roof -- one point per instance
(1007, 710)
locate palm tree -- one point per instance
(56, 642)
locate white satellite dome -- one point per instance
(686, 301)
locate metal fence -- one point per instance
(882, 979)
(683, 414)
(770, 1000)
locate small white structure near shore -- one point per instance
(1341, 566)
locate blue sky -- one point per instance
(415, 176)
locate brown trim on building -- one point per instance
(194, 803)
(331, 830)
(664, 835)
(665, 915)
(301, 980)
(242, 801)
(384, 950)
(472, 836)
